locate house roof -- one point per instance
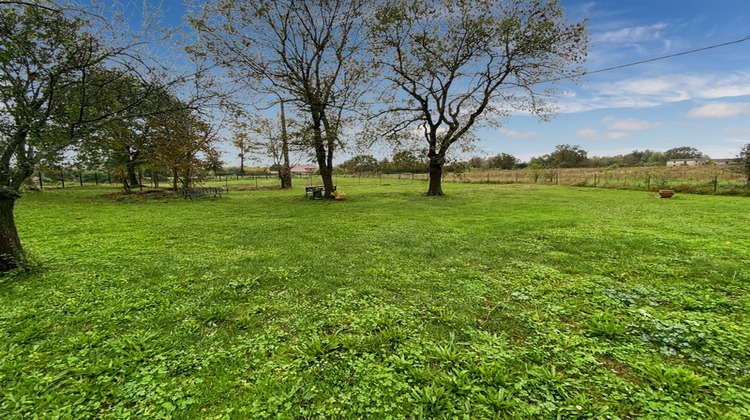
(304, 168)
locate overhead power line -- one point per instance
(666, 56)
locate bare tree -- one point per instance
(286, 142)
(310, 52)
(281, 150)
(453, 66)
(242, 138)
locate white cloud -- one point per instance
(587, 7)
(648, 92)
(517, 134)
(591, 134)
(720, 110)
(628, 124)
(736, 130)
(631, 34)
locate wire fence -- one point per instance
(55, 179)
(704, 179)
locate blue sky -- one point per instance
(699, 100)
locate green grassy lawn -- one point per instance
(492, 302)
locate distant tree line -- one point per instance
(564, 156)
(567, 156)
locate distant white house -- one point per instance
(694, 162)
(304, 169)
(724, 161)
(685, 162)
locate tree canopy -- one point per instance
(684, 152)
(61, 79)
(310, 52)
(469, 64)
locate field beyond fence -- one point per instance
(709, 179)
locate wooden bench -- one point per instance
(316, 192)
(195, 192)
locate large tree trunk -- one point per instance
(285, 172)
(130, 164)
(11, 252)
(436, 179)
(326, 174)
(174, 180)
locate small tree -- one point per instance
(279, 145)
(475, 162)
(657, 158)
(359, 164)
(182, 144)
(407, 161)
(242, 140)
(744, 158)
(503, 161)
(212, 161)
(566, 156)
